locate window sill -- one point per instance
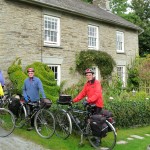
(93, 49)
(53, 46)
(120, 52)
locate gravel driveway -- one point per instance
(13, 142)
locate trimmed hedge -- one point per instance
(130, 113)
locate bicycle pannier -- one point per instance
(14, 106)
(104, 130)
(46, 103)
(107, 113)
(64, 99)
(96, 123)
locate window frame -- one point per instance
(96, 46)
(58, 73)
(47, 40)
(120, 43)
(123, 74)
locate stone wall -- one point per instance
(21, 35)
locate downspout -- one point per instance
(41, 35)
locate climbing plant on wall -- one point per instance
(102, 60)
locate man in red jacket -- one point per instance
(92, 90)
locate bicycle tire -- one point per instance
(63, 124)
(20, 119)
(44, 123)
(7, 122)
(106, 143)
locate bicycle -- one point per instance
(44, 121)
(66, 117)
(7, 122)
(7, 98)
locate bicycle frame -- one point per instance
(25, 110)
(82, 125)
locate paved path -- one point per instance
(132, 137)
(13, 142)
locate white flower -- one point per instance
(111, 98)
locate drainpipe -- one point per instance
(41, 35)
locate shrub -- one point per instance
(75, 88)
(130, 113)
(86, 59)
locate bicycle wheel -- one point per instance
(63, 124)
(20, 118)
(105, 143)
(7, 122)
(44, 123)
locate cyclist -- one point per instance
(93, 91)
(2, 80)
(31, 91)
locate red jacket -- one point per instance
(93, 91)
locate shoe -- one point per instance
(30, 128)
(96, 141)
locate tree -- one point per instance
(140, 15)
(119, 7)
(141, 9)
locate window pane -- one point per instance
(54, 69)
(121, 74)
(120, 42)
(92, 36)
(51, 28)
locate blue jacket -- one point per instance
(2, 81)
(32, 88)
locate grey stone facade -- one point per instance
(21, 35)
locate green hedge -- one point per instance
(130, 113)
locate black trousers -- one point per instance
(30, 109)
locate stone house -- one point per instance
(54, 31)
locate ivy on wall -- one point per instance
(87, 59)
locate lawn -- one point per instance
(55, 143)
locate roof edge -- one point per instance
(83, 15)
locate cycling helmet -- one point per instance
(30, 70)
(89, 71)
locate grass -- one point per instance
(136, 144)
(55, 143)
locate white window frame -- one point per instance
(95, 69)
(122, 74)
(51, 28)
(93, 37)
(120, 42)
(58, 73)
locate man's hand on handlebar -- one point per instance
(85, 103)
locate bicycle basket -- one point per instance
(46, 103)
(64, 99)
